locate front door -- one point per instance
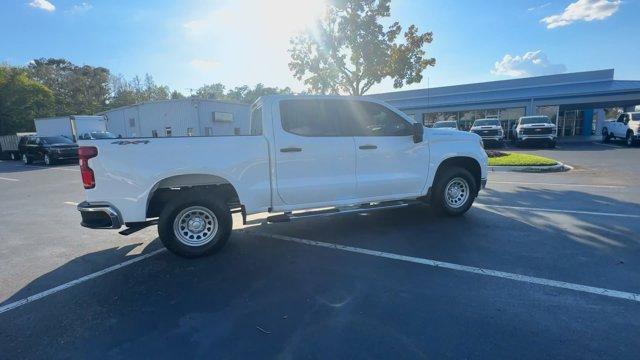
(315, 162)
(388, 162)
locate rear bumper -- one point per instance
(99, 216)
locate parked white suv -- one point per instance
(344, 153)
(536, 129)
(626, 126)
(490, 130)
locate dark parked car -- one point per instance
(50, 149)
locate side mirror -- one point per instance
(418, 133)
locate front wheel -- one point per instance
(25, 159)
(48, 160)
(630, 140)
(193, 227)
(454, 192)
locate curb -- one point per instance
(559, 167)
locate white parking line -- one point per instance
(556, 210)
(8, 179)
(59, 288)
(554, 184)
(452, 266)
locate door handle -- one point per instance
(368, 147)
(290, 149)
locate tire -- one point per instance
(25, 159)
(629, 140)
(48, 161)
(207, 215)
(443, 202)
(606, 137)
(552, 144)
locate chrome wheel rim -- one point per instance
(456, 192)
(46, 159)
(13, 156)
(195, 226)
(24, 159)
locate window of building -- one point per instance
(189, 131)
(154, 133)
(132, 122)
(256, 121)
(207, 131)
(222, 116)
(168, 131)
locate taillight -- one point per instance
(85, 153)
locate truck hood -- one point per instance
(452, 134)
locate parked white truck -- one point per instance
(303, 153)
(71, 127)
(626, 126)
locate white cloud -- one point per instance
(81, 8)
(533, 63)
(539, 7)
(583, 10)
(204, 64)
(42, 4)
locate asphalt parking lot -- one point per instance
(543, 266)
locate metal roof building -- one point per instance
(574, 101)
(181, 117)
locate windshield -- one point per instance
(102, 135)
(445, 124)
(56, 140)
(535, 120)
(487, 122)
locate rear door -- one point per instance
(315, 162)
(389, 163)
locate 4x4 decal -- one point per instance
(130, 142)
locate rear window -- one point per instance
(256, 121)
(308, 118)
(445, 124)
(56, 140)
(535, 120)
(490, 122)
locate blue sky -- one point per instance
(188, 43)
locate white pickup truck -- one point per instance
(626, 126)
(348, 154)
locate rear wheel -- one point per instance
(13, 156)
(454, 192)
(606, 137)
(194, 227)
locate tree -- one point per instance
(248, 95)
(212, 91)
(77, 89)
(124, 93)
(22, 100)
(349, 51)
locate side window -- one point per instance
(256, 121)
(371, 119)
(313, 117)
(167, 131)
(31, 141)
(621, 118)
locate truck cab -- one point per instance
(626, 127)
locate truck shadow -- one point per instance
(8, 167)
(529, 242)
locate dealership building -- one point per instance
(576, 102)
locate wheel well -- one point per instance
(465, 162)
(191, 186)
